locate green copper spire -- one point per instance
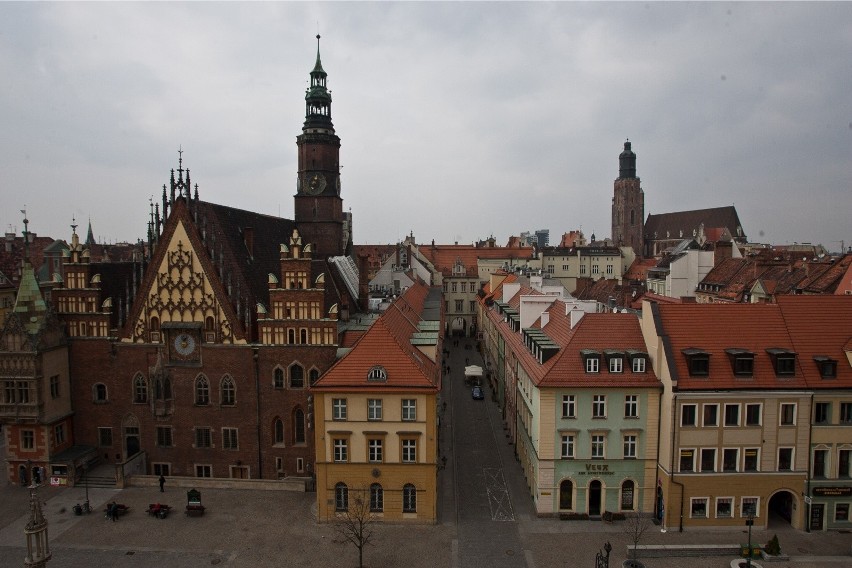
(318, 99)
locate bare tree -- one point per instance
(355, 524)
(635, 527)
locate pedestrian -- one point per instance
(162, 482)
(112, 511)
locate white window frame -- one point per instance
(409, 409)
(737, 464)
(630, 444)
(701, 460)
(704, 424)
(599, 406)
(409, 450)
(757, 459)
(593, 364)
(598, 441)
(374, 409)
(745, 421)
(340, 450)
(639, 364)
(631, 406)
(694, 414)
(792, 458)
(338, 409)
(693, 501)
(781, 408)
(725, 415)
(680, 460)
(756, 505)
(730, 501)
(616, 365)
(568, 446)
(375, 450)
(569, 406)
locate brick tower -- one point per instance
(628, 204)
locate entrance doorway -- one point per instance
(817, 511)
(595, 498)
(781, 508)
(239, 472)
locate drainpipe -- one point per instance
(256, 357)
(674, 437)
(657, 468)
(808, 478)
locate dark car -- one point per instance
(477, 393)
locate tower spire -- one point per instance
(318, 100)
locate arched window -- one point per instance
(566, 495)
(303, 336)
(278, 433)
(377, 498)
(627, 490)
(100, 392)
(140, 390)
(278, 378)
(291, 336)
(202, 390)
(632, 217)
(155, 324)
(341, 497)
(229, 392)
(314, 375)
(409, 498)
(167, 388)
(299, 426)
(297, 377)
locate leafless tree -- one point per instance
(634, 528)
(355, 524)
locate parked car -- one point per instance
(477, 393)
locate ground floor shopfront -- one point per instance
(830, 504)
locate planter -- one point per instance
(741, 563)
(774, 557)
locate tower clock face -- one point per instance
(185, 346)
(316, 184)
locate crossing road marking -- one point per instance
(498, 495)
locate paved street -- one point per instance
(486, 519)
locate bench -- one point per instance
(122, 509)
(158, 510)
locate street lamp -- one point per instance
(602, 561)
(749, 524)
(86, 481)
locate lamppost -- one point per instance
(602, 561)
(86, 481)
(749, 523)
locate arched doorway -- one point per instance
(594, 498)
(458, 326)
(781, 508)
(130, 424)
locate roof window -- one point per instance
(698, 362)
(783, 360)
(742, 362)
(827, 366)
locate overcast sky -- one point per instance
(458, 121)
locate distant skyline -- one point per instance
(458, 121)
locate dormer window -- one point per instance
(591, 360)
(742, 362)
(827, 366)
(698, 362)
(783, 360)
(638, 360)
(615, 359)
(377, 374)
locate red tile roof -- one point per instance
(387, 343)
(444, 257)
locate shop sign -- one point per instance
(596, 469)
(832, 491)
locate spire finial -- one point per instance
(26, 234)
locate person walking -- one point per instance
(162, 483)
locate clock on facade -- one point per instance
(316, 184)
(185, 344)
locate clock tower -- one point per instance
(319, 207)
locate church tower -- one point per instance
(319, 207)
(628, 204)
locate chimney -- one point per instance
(10, 239)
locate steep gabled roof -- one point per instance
(681, 224)
(713, 328)
(388, 343)
(820, 326)
(445, 257)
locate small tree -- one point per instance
(635, 527)
(773, 547)
(355, 524)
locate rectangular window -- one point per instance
(820, 463)
(687, 415)
(630, 447)
(698, 507)
(459, 305)
(592, 364)
(750, 506)
(341, 450)
(822, 413)
(164, 436)
(639, 365)
(711, 415)
(54, 386)
(599, 406)
(598, 446)
(841, 512)
(708, 459)
(732, 415)
(751, 459)
(374, 409)
(162, 469)
(785, 459)
(744, 366)
(203, 471)
(752, 414)
(723, 507)
(730, 459)
(338, 409)
(631, 406)
(203, 438)
(846, 412)
(569, 409)
(409, 409)
(567, 446)
(616, 365)
(105, 437)
(843, 465)
(787, 415)
(409, 451)
(687, 460)
(59, 434)
(375, 451)
(230, 439)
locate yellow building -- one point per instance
(375, 412)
